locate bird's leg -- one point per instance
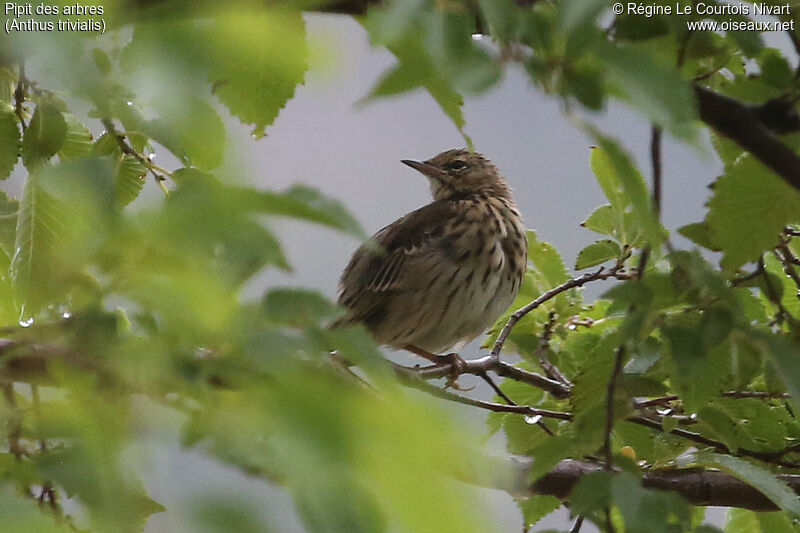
(457, 364)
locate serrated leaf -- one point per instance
(727, 150)
(626, 187)
(749, 209)
(763, 480)
(547, 260)
(129, 178)
(8, 223)
(596, 253)
(537, 507)
(78, 139)
(259, 58)
(9, 142)
(105, 144)
(602, 220)
(62, 214)
(44, 136)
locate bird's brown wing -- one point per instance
(377, 267)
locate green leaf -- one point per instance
(749, 209)
(699, 233)
(23, 515)
(592, 492)
(547, 261)
(388, 22)
(763, 480)
(199, 131)
(78, 139)
(9, 142)
(596, 253)
(655, 89)
(537, 507)
(602, 220)
(775, 70)
(415, 69)
(727, 150)
(62, 216)
(258, 58)
(129, 177)
(8, 223)
(448, 36)
(304, 202)
(741, 521)
(625, 186)
(44, 136)
(298, 307)
(502, 18)
(648, 510)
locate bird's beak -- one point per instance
(423, 167)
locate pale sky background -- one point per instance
(354, 154)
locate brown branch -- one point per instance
(697, 486)
(487, 363)
(752, 129)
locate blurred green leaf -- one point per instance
(9, 142)
(44, 136)
(78, 139)
(258, 58)
(414, 69)
(757, 477)
(129, 177)
(624, 186)
(537, 507)
(654, 89)
(596, 253)
(748, 210)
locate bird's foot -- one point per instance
(457, 366)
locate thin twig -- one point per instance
(772, 295)
(600, 274)
(129, 150)
(576, 526)
(787, 260)
(552, 371)
(655, 157)
(497, 390)
(20, 96)
(410, 377)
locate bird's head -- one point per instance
(457, 172)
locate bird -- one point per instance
(438, 277)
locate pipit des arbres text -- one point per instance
(439, 276)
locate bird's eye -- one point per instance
(456, 165)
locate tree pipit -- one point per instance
(436, 278)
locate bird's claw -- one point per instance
(458, 366)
